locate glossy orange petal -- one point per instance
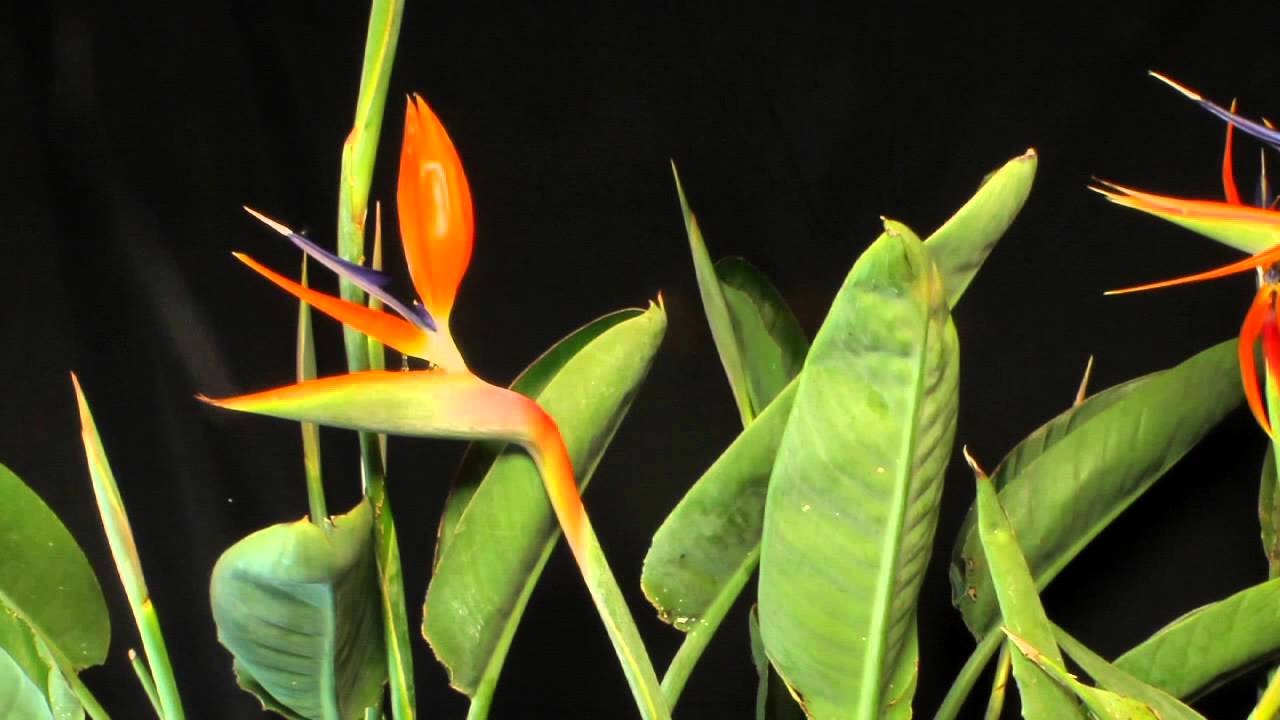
(387, 329)
(1258, 314)
(1228, 171)
(1262, 259)
(434, 203)
(1203, 209)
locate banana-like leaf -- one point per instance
(1112, 678)
(20, 697)
(1069, 479)
(297, 606)
(492, 552)
(773, 699)
(769, 338)
(1101, 704)
(1020, 611)
(1211, 644)
(46, 580)
(963, 243)
(852, 504)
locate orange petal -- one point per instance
(434, 202)
(387, 329)
(1262, 259)
(1228, 172)
(1249, 332)
(1203, 209)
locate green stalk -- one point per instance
(968, 675)
(1269, 704)
(699, 636)
(128, 565)
(306, 370)
(358, 154)
(995, 703)
(144, 678)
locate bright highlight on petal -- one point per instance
(387, 329)
(434, 203)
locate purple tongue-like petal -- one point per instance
(371, 281)
(1271, 136)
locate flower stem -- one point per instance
(968, 675)
(144, 679)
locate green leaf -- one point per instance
(20, 697)
(773, 699)
(45, 579)
(1112, 678)
(480, 587)
(769, 339)
(1101, 704)
(1069, 479)
(1020, 610)
(297, 606)
(963, 243)
(1210, 645)
(716, 309)
(853, 501)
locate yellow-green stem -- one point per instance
(144, 679)
(1269, 704)
(968, 675)
(999, 683)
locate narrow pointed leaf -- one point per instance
(1020, 610)
(1070, 478)
(45, 578)
(20, 697)
(1110, 677)
(1101, 704)
(853, 500)
(297, 606)
(963, 243)
(1210, 645)
(479, 589)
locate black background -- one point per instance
(133, 135)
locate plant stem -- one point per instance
(358, 154)
(968, 675)
(144, 678)
(995, 703)
(700, 634)
(1269, 704)
(305, 363)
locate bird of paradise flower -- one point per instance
(1254, 229)
(445, 400)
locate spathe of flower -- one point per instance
(1253, 229)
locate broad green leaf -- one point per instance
(708, 547)
(716, 309)
(963, 243)
(1210, 645)
(1101, 704)
(770, 342)
(20, 697)
(480, 587)
(1112, 678)
(1020, 610)
(1069, 479)
(297, 606)
(45, 579)
(773, 699)
(852, 504)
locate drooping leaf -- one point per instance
(770, 342)
(46, 580)
(1210, 645)
(1101, 704)
(708, 547)
(1021, 613)
(297, 606)
(852, 503)
(480, 587)
(1069, 479)
(963, 243)
(20, 697)
(1112, 678)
